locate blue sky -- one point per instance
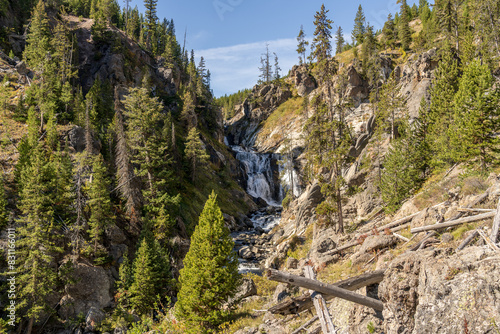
(231, 34)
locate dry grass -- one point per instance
(282, 115)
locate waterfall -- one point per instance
(260, 180)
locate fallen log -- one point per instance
(302, 303)
(475, 210)
(467, 240)
(453, 222)
(327, 289)
(488, 241)
(496, 224)
(473, 204)
(304, 326)
(421, 242)
(320, 305)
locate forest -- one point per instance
(137, 154)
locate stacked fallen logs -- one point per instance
(302, 303)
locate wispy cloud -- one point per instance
(237, 67)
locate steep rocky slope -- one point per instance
(432, 288)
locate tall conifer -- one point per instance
(210, 274)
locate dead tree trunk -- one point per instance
(327, 289)
(319, 303)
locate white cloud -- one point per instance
(237, 67)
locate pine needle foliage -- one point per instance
(210, 274)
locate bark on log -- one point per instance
(453, 222)
(320, 305)
(496, 224)
(467, 241)
(473, 204)
(488, 241)
(327, 289)
(302, 303)
(304, 326)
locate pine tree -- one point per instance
(447, 15)
(358, 32)
(147, 131)
(440, 114)
(188, 114)
(390, 102)
(389, 38)
(196, 155)
(210, 274)
(301, 46)
(476, 118)
(321, 45)
(277, 68)
(404, 26)
(99, 203)
(151, 19)
(142, 295)
(266, 70)
(127, 181)
(339, 40)
(37, 278)
(405, 166)
(38, 39)
(369, 48)
(4, 95)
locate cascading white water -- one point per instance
(259, 173)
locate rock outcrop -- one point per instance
(421, 289)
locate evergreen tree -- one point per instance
(142, 294)
(151, 19)
(188, 114)
(339, 40)
(390, 102)
(266, 70)
(195, 153)
(369, 48)
(301, 46)
(4, 95)
(358, 32)
(277, 68)
(404, 26)
(37, 278)
(476, 118)
(321, 45)
(210, 274)
(389, 38)
(99, 203)
(439, 117)
(127, 181)
(147, 131)
(38, 39)
(405, 166)
(447, 15)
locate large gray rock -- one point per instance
(302, 80)
(246, 289)
(375, 242)
(437, 291)
(91, 289)
(93, 319)
(307, 203)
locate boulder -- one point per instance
(93, 319)
(115, 235)
(325, 245)
(91, 289)
(21, 68)
(280, 293)
(438, 291)
(76, 137)
(246, 289)
(375, 242)
(246, 253)
(307, 203)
